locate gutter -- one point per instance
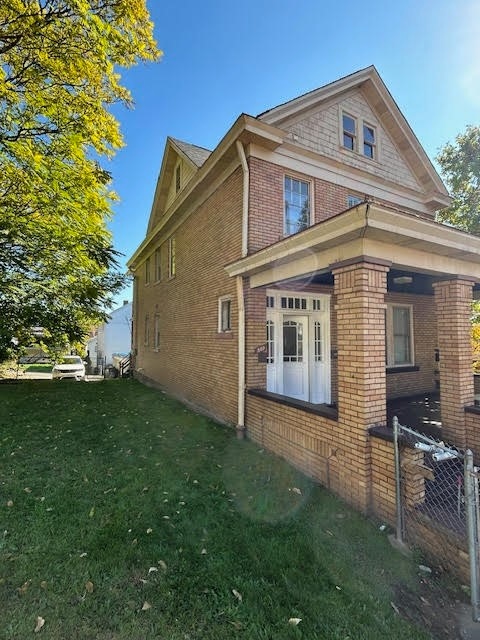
(240, 294)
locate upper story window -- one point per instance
(297, 205)
(172, 257)
(158, 265)
(147, 271)
(368, 141)
(178, 178)
(359, 136)
(349, 132)
(352, 201)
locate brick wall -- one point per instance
(195, 362)
(425, 343)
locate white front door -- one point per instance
(295, 357)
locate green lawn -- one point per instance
(126, 516)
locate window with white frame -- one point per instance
(147, 271)
(352, 201)
(146, 331)
(172, 258)
(224, 314)
(399, 334)
(158, 265)
(359, 136)
(349, 132)
(297, 205)
(369, 141)
(270, 342)
(156, 332)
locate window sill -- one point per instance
(324, 410)
(224, 335)
(406, 369)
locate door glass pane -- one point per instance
(292, 341)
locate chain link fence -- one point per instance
(437, 497)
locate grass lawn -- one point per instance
(126, 516)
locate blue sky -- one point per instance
(222, 58)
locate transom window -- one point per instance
(399, 330)
(297, 205)
(293, 303)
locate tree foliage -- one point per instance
(59, 62)
(460, 167)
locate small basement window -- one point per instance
(224, 314)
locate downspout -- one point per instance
(240, 295)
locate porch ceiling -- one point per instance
(405, 241)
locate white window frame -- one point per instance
(390, 338)
(157, 266)
(310, 203)
(353, 201)
(147, 270)
(172, 257)
(353, 136)
(359, 137)
(222, 303)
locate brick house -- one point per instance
(294, 279)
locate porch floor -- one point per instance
(420, 412)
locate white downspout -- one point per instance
(240, 295)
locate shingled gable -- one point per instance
(388, 114)
(193, 155)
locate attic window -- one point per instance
(368, 141)
(349, 132)
(177, 178)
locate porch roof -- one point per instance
(403, 240)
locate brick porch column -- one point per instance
(360, 289)
(453, 306)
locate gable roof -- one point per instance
(196, 154)
(387, 111)
(192, 154)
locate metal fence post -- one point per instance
(471, 504)
(398, 484)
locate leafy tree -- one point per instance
(460, 168)
(59, 63)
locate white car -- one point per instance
(69, 367)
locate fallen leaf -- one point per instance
(237, 595)
(43, 584)
(83, 555)
(39, 625)
(149, 530)
(23, 589)
(27, 490)
(146, 606)
(338, 588)
(395, 608)
(91, 512)
(297, 490)
(10, 503)
(152, 569)
(294, 621)
(203, 552)
(162, 565)
(89, 586)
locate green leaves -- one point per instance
(460, 166)
(58, 61)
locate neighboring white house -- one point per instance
(113, 338)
